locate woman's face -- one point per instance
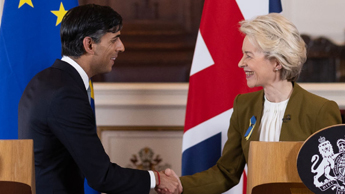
(259, 70)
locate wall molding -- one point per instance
(140, 94)
(163, 104)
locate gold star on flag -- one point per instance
(59, 14)
(22, 2)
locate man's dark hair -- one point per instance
(87, 21)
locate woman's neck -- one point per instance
(278, 91)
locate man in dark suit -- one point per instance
(55, 112)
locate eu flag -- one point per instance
(29, 43)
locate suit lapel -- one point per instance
(258, 109)
(295, 100)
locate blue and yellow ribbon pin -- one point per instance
(249, 132)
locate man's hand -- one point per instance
(170, 173)
(170, 183)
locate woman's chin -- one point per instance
(251, 85)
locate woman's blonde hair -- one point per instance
(279, 39)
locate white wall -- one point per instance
(317, 17)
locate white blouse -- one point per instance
(272, 120)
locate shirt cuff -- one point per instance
(153, 179)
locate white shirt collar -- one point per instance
(77, 67)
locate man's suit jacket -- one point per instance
(308, 113)
(54, 111)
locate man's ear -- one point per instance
(88, 44)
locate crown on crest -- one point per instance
(322, 139)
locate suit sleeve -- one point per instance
(227, 172)
(71, 119)
(329, 114)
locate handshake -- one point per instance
(168, 182)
